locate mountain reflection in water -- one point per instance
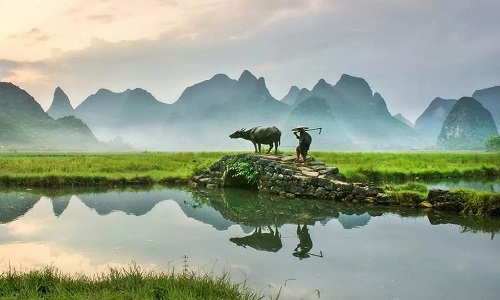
(254, 212)
(343, 250)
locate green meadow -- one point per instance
(91, 169)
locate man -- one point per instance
(304, 142)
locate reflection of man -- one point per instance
(304, 142)
(305, 243)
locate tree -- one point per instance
(493, 143)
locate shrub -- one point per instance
(493, 143)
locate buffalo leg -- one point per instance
(270, 148)
(259, 147)
(275, 148)
(255, 146)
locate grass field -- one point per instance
(84, 169)
(401, 166)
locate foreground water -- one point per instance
(301, 249)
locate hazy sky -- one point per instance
(410, 51)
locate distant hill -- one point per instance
(467, 126)
(315, 112)
(25, 126)
(201, 96)
(207, 112)
(430, 122)
(490, 99)
(362, 115)
(291, 96)
(245, 102)
(134, 115)
(404, 120)
(353, 117)
(61, 106)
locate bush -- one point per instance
(493, 143)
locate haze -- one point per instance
(409, 51)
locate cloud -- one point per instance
(104, 18)
(33, 35)
(409, 51)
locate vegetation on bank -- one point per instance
(98, 169)
(124, 283)
(404, 166)
(119, 169)
(143, 169)
(493, 143)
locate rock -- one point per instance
(288, 159)
(329, 171)
(305, 169)
(426, 204)
(318, 168)
(299, 177)
(310, 173)
(320, 192)
(212, 186)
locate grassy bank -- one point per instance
(402, 166)
(97, 169)
(118, 169)
(131, 283)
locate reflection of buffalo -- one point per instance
(267, 241)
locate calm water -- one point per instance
(489, 185)
(307, 248)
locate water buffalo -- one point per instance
(267, 135)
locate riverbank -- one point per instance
(121, 169)
(281, 175)
(146, 169)
(128, 283)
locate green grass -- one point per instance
(124, 283)
(83, 169)
(401, 166)
(92, 169)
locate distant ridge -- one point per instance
(30, 128)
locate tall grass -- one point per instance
(120, 283)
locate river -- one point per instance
(307, 249)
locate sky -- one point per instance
(409, 51)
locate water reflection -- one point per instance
(344, 250)
(260, 215)
(262, 241)
(492, 185)
(15, 204)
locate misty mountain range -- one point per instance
(352, 116)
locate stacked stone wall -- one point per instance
(282, 175)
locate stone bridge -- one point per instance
(279, 174)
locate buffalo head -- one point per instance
(237, 134)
